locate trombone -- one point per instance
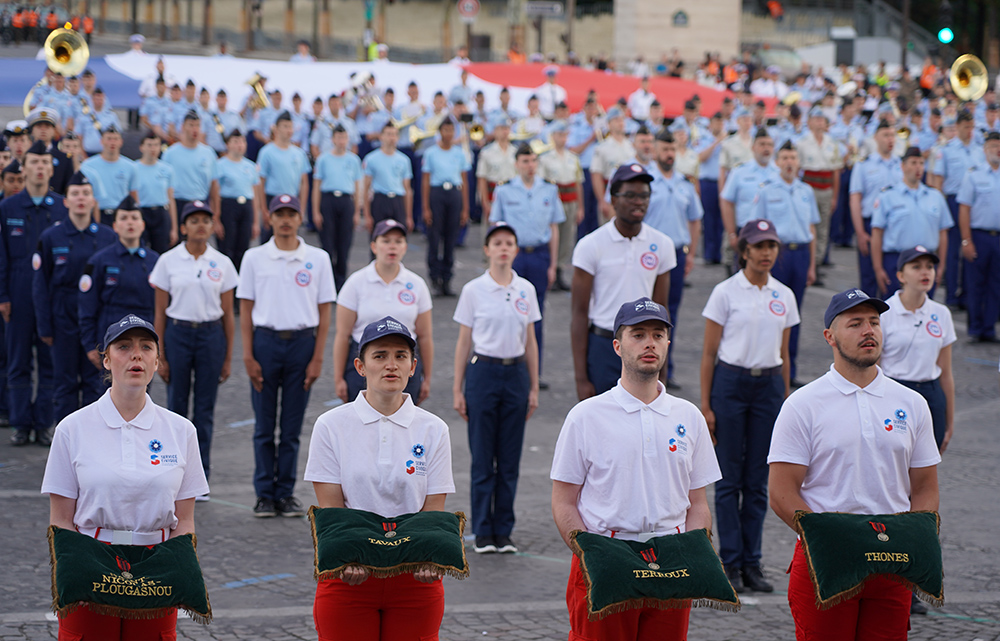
(66, 53)
(969, 78)
(259, 100)
(418, 135)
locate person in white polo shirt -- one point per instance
(383, 288)
(632, 463)
(852, 441)
(124, 470)
(194, 285)
(622, 260)
(285, 291)
(382, 454)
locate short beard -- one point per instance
(856, 361)
(665, 167)
(638, 374)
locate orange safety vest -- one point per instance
(51, 21)
(32, 19)
(927, 77)
(729, 75)
(516, 58)
(88, 24)
(75, 23)
(17, 21)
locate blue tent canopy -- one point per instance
(19, 75)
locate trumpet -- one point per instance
(969, 79)
(903, 132)
(260, 100)
(66, 53)
(476, 133)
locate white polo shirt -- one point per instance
(287, 287)
(384, 464)
(124, 475)
(912, 341)
(636, 463)
(371, 298)
(624, 269)
(499, 316)
(753, 320)
(195, 285)
(858, 444)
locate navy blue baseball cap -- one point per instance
(909, 255)
(195, 207)
(385, 226)
(641, 310)
(628, 173)
(849, 298)
(283, 201)
(387, 326)
(500, 225)
(759, 230)
(125, 324)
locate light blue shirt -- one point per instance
(742, 185)
(911, 217)
(579, 131)
(871, 176)
(60, 101)
(152, 182)
(263, 120)
(90, 134)
(531, 212)
(229, 121)
(388, 171)
(445, 166)
(194, 170)
(77, 104)
(322, 133)
(954, 160)
(237, 179)
(709, 170)
(282, 169)
(112, 181)
(157, 111)
(180, 109)
(338, 173)
(673, 204)
(980, 190)
(792, 208)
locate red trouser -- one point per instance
(85, 625)
(647, 624)
(880, 613)
(399, 608)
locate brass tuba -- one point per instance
(969, 79)
(260, 100)
(66, 53)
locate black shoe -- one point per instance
(673, 384)
(917, 606)
(542, 385)
(505, 545)
(560, 285)
(20, 437)
(446, 289)
(264, 508)
(485, 545)
(44, 437)
(796, 383)
(4, 420)
(289, 506)
(734, 576)
(753, 579)
(988, 339)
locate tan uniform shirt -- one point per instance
(734, 152)
(560, 169)
(823, 155)
(609, 155)
(495, 164)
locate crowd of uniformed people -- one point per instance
(612, 206)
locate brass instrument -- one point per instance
(476, 133)
(791, 98)
(969, 79)
(538, 147)
(418, 135)
(66, 53)
(903, 132)
(260, 100)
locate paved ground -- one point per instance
(259, 573)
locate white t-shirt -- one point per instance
(636, 463)
(384, 464)
(912, 341)
(499, 316)
(287, 287)
(124, 475)
(753, 320)
(858, 444)
(371, 298)
(195, 285)
(624, 269)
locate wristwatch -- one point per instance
(965, 242)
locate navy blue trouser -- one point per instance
(674, 304)
(534, 266)
(933, 393)
(4, 404)
(791, 270)
(496, 396)
(356, 382)
(75, 379)
(200, 351)
(712, 221)
(157, 233)
(337, 232)
(27, 353)
(745, 409)
(446, 212)
(283, 363)
(416, 184)
(841, 227)
(982, 283)
(869, 284)
(591, 215)
(604, 366)
(955, 265)
(237, 222)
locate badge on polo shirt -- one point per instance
(650, 260)
(897, 422)
(406, 295)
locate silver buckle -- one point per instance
(338, 193)
(241, 200)
(447, 186)
(756, 371)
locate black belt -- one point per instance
(337, 193)
(931, 384)
(287, 334)
(447, 186)
(154, 208)
(755, 371)
(796, 246)
(991, 232)
(194, 324)
(534, 248)
(387, 195)
(498, 361)
(600, 331)
(239, 200)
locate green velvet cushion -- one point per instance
(387, 547)
(129, 581)
(844, 550)
(666, 572)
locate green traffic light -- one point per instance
(946, 35)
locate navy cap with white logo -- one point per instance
(756, 231)
(628, 173)
(125, 324)
(387, 326)
(909, 255)
(195, 207)
(284, 201)
(848, 299)
(385, 226)
(641, 310)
